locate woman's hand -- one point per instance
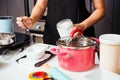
(24, 21)
(77, 30)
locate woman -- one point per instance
(64, 9)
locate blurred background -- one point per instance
(109, 24)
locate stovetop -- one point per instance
(20, 40)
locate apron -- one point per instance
(64, 9)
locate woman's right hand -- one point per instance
(24, 21)
(77, 30)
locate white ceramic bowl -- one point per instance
(35, 51)
(6, 38)
(6, 41)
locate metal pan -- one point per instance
(6, 38)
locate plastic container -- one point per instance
(64, 27)
(110, 52)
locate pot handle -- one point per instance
(57, 51)
(76, 30)
(96, 39)
(97, 46)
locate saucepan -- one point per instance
(6, 24)
(6, 30)
(76, 53)
(6, 38)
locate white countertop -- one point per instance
(11, 70)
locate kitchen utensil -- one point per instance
(56, 73)
(8, 54)
(20, 40)
(27, 31)
(21, 58)
(43, 58)
(32, 62)
(110, 52)
(71, 38)
(40, 75)
(38, 64)
(64, 27)
(35, 51)
(6, 38)
(76, 55)
(6, 24)
(6, 30)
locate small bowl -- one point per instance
(6, 41)
(6, 38)
(36, 51)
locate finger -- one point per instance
(76, 34)
(24, 17)
(20, 24)
(19, 19)
(76, 30)
(26, 21)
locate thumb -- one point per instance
(75, 31)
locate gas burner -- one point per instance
(19, 41)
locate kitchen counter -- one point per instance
(11, 70)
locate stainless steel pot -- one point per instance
(6, 38)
